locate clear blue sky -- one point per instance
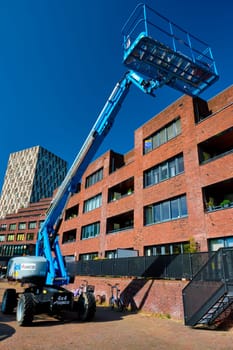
(60, 59)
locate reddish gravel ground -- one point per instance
(109, 330)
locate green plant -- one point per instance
(191, 246)
(210, 203)
(225, 203)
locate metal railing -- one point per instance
(213, 280)
(177, 266)
(149, 22)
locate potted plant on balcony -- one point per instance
(210, 203)
(225, 203)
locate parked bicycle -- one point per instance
(85, 301)
(115, 300)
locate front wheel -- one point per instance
(25, 309)
(86, 307)
(9, 301)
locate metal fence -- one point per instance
(175, 266)
(161, 266)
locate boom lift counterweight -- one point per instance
(152, 64)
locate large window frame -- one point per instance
(166, 249)
(22, 226)
(12, 227)
(170, 209)
(163, 171)
(20, 237)
(90, 231)
(92, 203)
(162, 136)
(94, 178)
(32, 225)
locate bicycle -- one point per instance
(115, 299)
(84, 300)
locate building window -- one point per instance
(22, 226)
(163, 135)
(30, 237)
(165, 249)
(71, 212)
(222, 242)
(2, 238)
(3, 227)
(91, 230)
(20, 237)
(10, 237)
(164, 211)
(110, 254)
(69, 236)
(88, 256)
(12, 227)
(93, 178)
(92, 203)
(32, 225)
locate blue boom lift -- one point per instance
(156, 53)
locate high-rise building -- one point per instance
(31, 174)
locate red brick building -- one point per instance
(173, 192)
(18, 231)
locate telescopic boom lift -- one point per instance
(151, 63)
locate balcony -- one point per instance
(71, 212)
(216, 146)
(121, 190)
(69, 236)
(120, 222)
(218, 196)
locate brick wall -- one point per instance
(162, 297)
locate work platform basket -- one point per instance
(163, 51)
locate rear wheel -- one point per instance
(9, 301)
(86, 307)
(25, 309)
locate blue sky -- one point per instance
(60, 59)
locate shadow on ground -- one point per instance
(6, 331)
(103, 314)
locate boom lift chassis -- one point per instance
(151, 64)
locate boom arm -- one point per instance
(47, 242)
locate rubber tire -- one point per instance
(86, 306)
(9, 301)
(25, 309)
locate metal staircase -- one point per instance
(208, 298)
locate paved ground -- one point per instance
(109, 330)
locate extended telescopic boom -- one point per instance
(47, 243)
